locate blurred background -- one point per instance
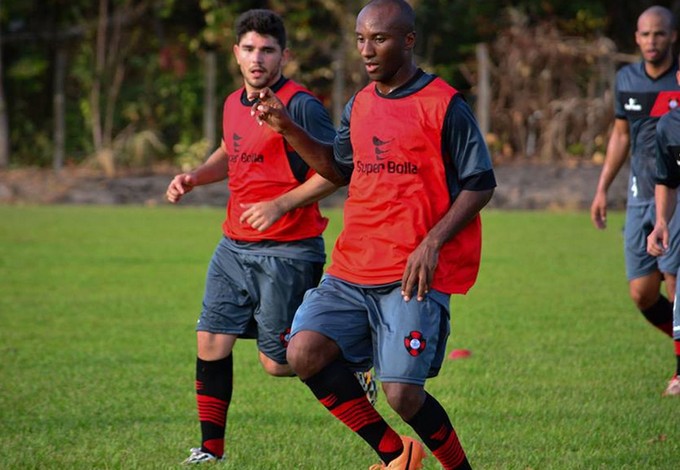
(121, 85)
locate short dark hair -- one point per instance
(407, 17)
(264, 22)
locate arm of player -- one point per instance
(214, 169)
(617, 152)
(262, 215)
(422, 262)
(659, 239)
(317, 154)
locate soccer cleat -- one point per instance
(369, 385)
(410, 459)
(673, 387)
(198, 456)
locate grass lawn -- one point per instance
(97, 348)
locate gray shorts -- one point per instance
(373, 326)
(255, 296)
(639, 224)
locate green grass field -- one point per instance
(97, 351)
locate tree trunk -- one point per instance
(4, 120)
(210, 100)
(339, 82)
(483, 88)
(59, 110)
(344, 13)
(95, 94)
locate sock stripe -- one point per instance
(356, 413)
(212, 409)
(329, 401)
(441, 434)
(451, 453)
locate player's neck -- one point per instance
(401, 77)
(656, 70)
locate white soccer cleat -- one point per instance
(198, 456)
(673, 388)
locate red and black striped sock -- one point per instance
(214, 383)
(433, 426)
(677, 356)
(661, 315)
(339, 391)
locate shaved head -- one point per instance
(660, 12)
(403, 15)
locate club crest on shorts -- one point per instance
(414, 343)
(285, 337)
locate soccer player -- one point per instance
(665, 196)
(644, 92)
(272, 250)
(419, 172)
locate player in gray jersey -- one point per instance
(644, 92)
(666, 194)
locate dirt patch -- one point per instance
(520, 186)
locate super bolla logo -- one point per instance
(244, 157)
(383, 162)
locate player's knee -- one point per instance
(300, 356)
(212, 347)
(405, 399)
(671, 284)
(275, 369)
(644, 290)
(643, 298)
(309, 352)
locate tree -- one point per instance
(4, 120)
(117, 35)
(108, 78)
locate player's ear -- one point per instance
(410, 40)
(285, 56)
(235, 49)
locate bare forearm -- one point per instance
(466, 206)
(215, 168)
(666, 200)
(617, 152)
(314, 189)
(318, 155)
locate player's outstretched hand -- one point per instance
(658, 240)
(261, 215)
(269, 109)
(179, 186)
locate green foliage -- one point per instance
(163, 81)
(38, 150)
(584, 23)
(28, 68)
(171, 103)
(190, 156)
(97, 314)
(577, 149)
